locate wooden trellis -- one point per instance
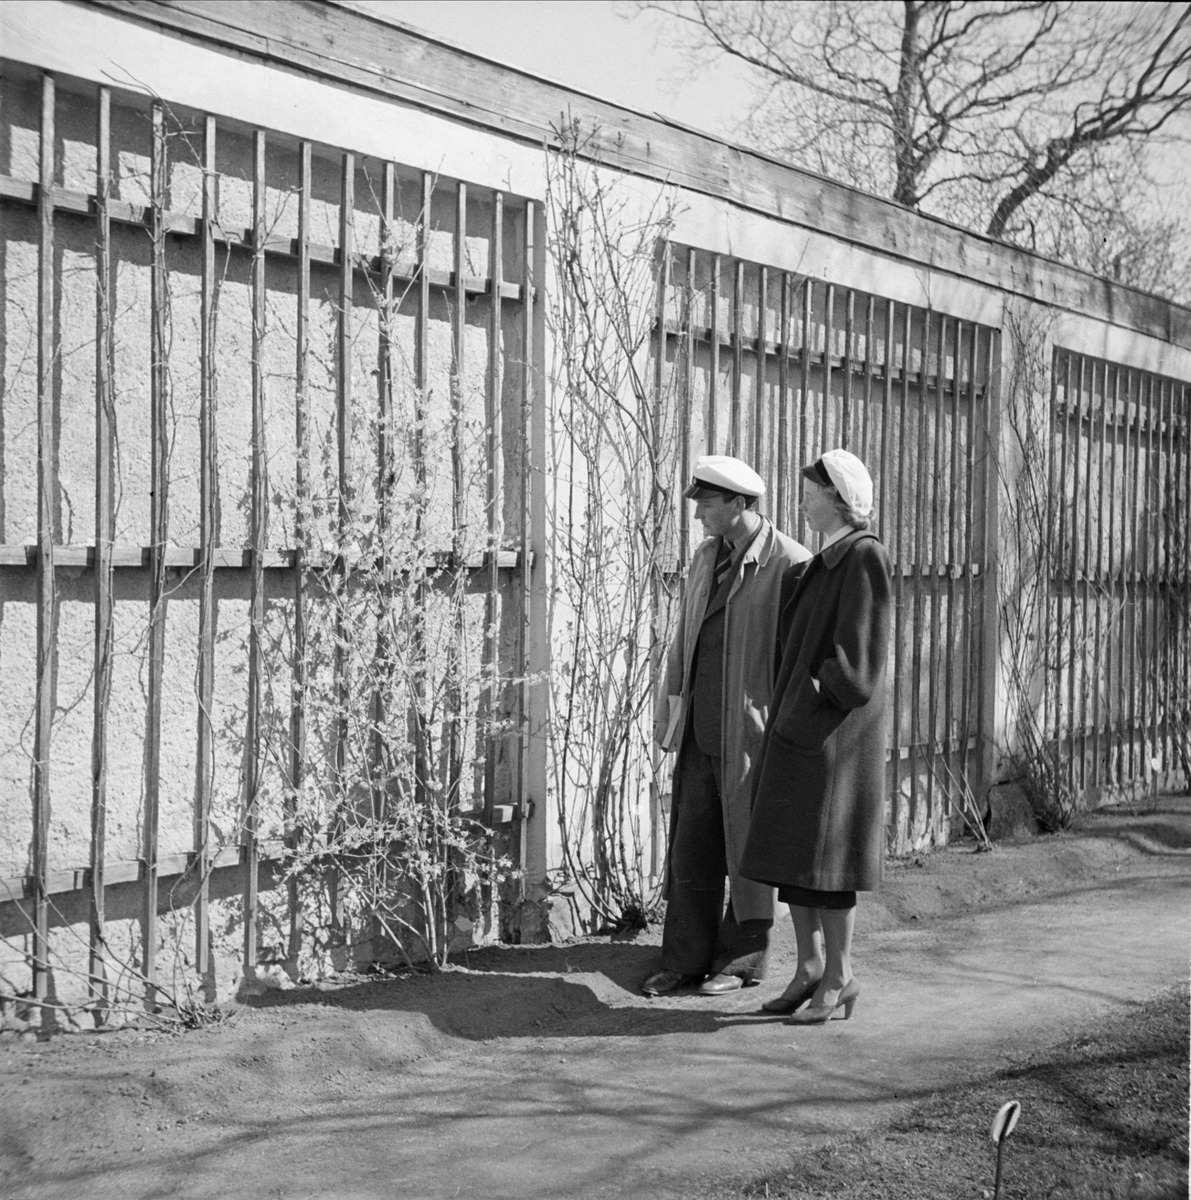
(278, 542)
(778, 368)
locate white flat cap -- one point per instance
(718, 474)
(843, 471)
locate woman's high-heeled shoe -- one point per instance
(820, 1014)
(788, 1001)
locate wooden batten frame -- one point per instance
(493, 505)
(104, 536)
(917, 563)
(303, 516)
(525, 538)
(846, 439)
(827, 437)
(899, 556)
(955, 728)
(256, 579)
(684, 408)
(886, 426)
(454, 687)
(937, 744)
(208, 538)
(1141, 641)
(986, 484)
(46, 598)
(711, 425)
(967, 551)
(1097, 485)
(1064, 615)
(386, 367)
(735, 432)
(866, 416)
(1112, 675)
(763, 430)
(660, 420)
(158, 520)
(804, 396)
(783, 512)
(346, 505)
(1078, 622)
(1133, 525)
(421, 403)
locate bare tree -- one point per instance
(1034, 120)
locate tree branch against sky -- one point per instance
(1036, 121)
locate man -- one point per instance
(712, 709)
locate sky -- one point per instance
(597, 46)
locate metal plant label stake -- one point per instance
(1002, 1126)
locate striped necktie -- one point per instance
(723, 561)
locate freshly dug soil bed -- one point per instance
(541, 1072)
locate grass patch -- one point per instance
(1104, 1117)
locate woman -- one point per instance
(817, 827)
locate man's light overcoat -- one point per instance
(750, 637)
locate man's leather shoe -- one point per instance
(717, 985)
(666, 983)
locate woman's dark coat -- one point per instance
(818, 812)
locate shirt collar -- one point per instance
(835, 537)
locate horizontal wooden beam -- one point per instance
(356, 48)
(83, 204)
(233, 558)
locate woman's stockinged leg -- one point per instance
(837, 925)
(808, 931)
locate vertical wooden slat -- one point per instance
(658, 452)
(46, 598)
(205, 750)
(1167, 653)
(250, 852)
(866, 413)
(158, 519)
(1115, 592)
(899, 558)
(458, 502)
(385, 473)
(919, 753)
(1081, 554)
(846, 439)
(783, 514)
(528, 453)
(684, 408)
(968, 702)
(421, 402)
(711, 427)
(303, 514)
(1151, 512)
(736, 437)
(763, 456)
(1096, 488)
(1130, 557)
(886, 408)
(828, 439)
(345, 507)
(990, 633)
(934, 750)
(492, 497)
(1065, 631)
(956, 735)
(1145, 397)
(104, 535)
(537, 822)
(806, 453)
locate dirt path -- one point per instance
(539, 1072)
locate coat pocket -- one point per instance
(806, 719)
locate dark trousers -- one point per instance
(700, 937)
